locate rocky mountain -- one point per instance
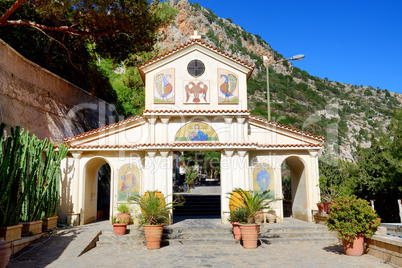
(348, 115)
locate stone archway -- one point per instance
(90, 189)
(299, 195)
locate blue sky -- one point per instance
(355, 42)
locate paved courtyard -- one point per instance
(61, 250)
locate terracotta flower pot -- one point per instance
(5, 253)
(326, 207)
(11, 233)
(119, 228)
(49, 223)
(31, 228)
(271, 218)
(320, 207)
(236, 230)
(356, 248)
(249, 235)
(124, 217)
(153, 236)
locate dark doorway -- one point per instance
(103, 203)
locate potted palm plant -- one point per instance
(155, 214)
(353, 218)
(235, 217)
(253, 204)
(191, 176)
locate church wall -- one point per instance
(43, 103)
(182, 78)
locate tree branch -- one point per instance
(11, 10)
(65, 29)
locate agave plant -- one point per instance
(252, 203)
(155, 209)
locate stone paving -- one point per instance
(61, 249)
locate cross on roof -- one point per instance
(195, 36)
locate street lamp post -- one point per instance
(267, 60)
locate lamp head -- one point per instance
(297, 57)
(265, 58)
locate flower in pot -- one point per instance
(119, 225)
(353, 218)
(252, 203)
(124, 212)
(154, 216)
(235, 217)
(271, 216)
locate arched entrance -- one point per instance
(94, 188)
(298, 188)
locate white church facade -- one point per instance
(196, 100)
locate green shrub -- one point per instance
(350, 216)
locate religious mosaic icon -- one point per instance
(228, 87)
(196, 92)
(196, 131)
(263, 179)
(129, 183)
(164, 87)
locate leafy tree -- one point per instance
(67, 37)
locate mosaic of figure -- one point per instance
(196, 131)
(196, 93)
(228, 87)
(128, 181)
(262, 174)
(164, 86)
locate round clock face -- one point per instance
(196, 68)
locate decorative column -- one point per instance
(240, 129)
(150, 168)
(313, 190)
(165, 134)
(151, 122)
(242, 169)
(226, 181)
(73, 217)
(228, 123)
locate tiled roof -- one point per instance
(202, 43)
(191, 144)
(104, 128)
(190, 112)
(287, 127)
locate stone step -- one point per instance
(291, 240)
(295, 234)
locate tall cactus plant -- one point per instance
(29, 169)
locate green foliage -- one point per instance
(229, 20)
(195, 6)
(238, 215)
(73, 56)
(350, 216)
(191, 174)
(29, 177)
(252, 203)
(123, 208)
(116, 219)
(155, 208)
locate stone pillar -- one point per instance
(73, 217)
(226, 181)
(228, 123)
(313, 190)
(151, 122)
(240, 129)
(150, 169)
(242, 163)
(165, 134)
